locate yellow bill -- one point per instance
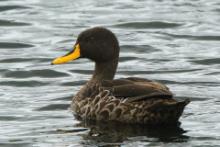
(69, 57)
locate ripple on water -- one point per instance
(213, 73)
(9, 118)
(189, 82)
(85, 72)
(144, 72)
(14, 143)
(192, 98)
(128, 58)
(75, 83)
(29, 83)
(192, 37)
(16, 60)
(139, 48)
(211, 61)
(9, 23)
(64, 98)
(54, 107)
(12, 7)
(46, 73)
(148, 25)
(8, 45)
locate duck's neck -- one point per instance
(105, 70)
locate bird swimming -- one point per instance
(130, 100)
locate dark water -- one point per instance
(174, 42)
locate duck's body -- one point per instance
(127, 100)
(130, 100)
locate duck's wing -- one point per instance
(136, 89)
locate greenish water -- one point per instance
(174, 42)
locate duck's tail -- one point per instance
(168, 113)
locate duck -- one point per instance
(130, 100)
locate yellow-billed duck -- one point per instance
(127, 100)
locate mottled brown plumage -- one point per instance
(127, 100)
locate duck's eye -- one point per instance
(88, 39)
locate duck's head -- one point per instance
(98, 44)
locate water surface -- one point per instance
(173, 42)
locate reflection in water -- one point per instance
(118, 133)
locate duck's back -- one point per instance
(128, 100)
